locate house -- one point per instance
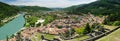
(40, 21)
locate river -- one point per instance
(12, 27)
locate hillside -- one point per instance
(100, 8)
(7, 11)
(106, 6)
(33, 8)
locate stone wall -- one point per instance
(102, 35)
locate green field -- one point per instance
(38, 36)
(114, 36)
(79, 39)
(110, 27)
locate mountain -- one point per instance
(56, 8)
(7, 10)
(111, 8)
(33, 8)
(72, 9)
(103, 7)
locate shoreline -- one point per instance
(17, 16)
(6, 20)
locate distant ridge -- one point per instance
(111, 8)
(33, 8)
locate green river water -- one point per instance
(12, 27)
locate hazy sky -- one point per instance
(47, 3)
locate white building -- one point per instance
(40, 21)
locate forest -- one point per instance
(110, 8)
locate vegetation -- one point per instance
(109, 8)
(116, 23)
(95, 25)
(111, 37)
(100, 7)
(7, 38)
(110, 27)
(111, 19)
(31, 21)
(7, 11)
(48, 36)
(19, 37)
(80, 38)
(33, 13)
(38, 36)
(59, 27)
(49, 19)
(87, 28)
(80, 30)
(33, 8)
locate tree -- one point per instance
(67, 34)
(31, 20)
(80, 30)
(88, 28)
(7, 38)
(0, 23)
(49, 19)
(105, 21)
(116, 23)
(19, 36)
(70, 31)
(59, 27)
(6, 11)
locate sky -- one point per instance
(47, 3)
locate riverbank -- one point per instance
(6, 20)
(12, 27)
